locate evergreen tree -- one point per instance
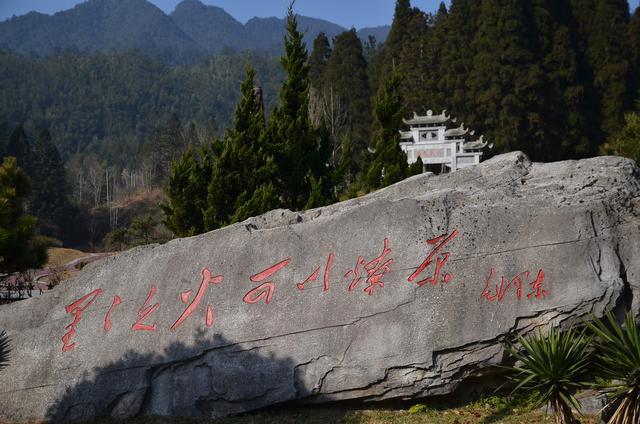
(415, 64)
(402, 16)
(389, 164)
(187, 193)
(20, 248)
(390, 53)
(318, 61)
(242, 176)
(230, 180)
(347, 77)
(49, 191)
(456, 61)
(634, 44)
(19, 147)
(505, 80)
(564, 132)
(603, 29)
(300, 151)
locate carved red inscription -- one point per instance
(314, 275)
(499, 292)
(145, 311)
(107, 318)
(76, 309)
(375, 270)
(441, 260)
(266, 289)
(207, 279)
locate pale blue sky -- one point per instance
(348, 13)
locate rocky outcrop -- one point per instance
(400, 294)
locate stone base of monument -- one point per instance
(402, 294)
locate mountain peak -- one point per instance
(192, 28)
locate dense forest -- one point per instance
(558, 79)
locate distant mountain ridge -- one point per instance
(192, 28)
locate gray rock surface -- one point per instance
(569, 230)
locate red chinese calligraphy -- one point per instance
(76, 309)
(441, 261)
(501, 291)
(518, 282)
(536, 287)
(207, 279)
(265, 290)
(375, 270)
(314, 276)
(145, 311)
(107, 318)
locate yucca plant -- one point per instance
(555, 366)
(5, 349)
(618, 359)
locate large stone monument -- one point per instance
(401, 294)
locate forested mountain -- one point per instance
(107, 103)
(97, 26)
(189, 32)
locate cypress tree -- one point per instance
(389, 55)
(458, 32)
(299, 150)
(564, 132)
(603, 28)
(318, 61)
(505, 79)
(436, 38)
(389, 164)
(242, 179)
(399, 30)
(414, 63)
(347, 76)
(187, 193)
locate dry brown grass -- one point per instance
(476, 413)
(59, 256)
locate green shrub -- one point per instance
(555, 366)
(618, 366)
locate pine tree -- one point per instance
(299, 150)
(389, 164)
(20, 248)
